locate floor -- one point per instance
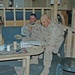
(37, 69)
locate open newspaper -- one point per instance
(24, 31)
(30, 43)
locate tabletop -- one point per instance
(28, 51)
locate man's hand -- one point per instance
(30, 28)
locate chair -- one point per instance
(66, 63)
(61, 49)
(9, 32)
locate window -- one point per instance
(52, 2)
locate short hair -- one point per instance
(33, 14)
(44, 16)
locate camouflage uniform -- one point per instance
(34, 32)
(52, 38)
(35, 35)
(32, 24)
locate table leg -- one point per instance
(26, 65)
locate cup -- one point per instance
(15, 44)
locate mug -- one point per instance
(15, 44)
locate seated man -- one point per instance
(52, 38)
(32, 20)
(33, 33)
(31, 27)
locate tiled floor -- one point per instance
(36, 69)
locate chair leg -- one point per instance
(59, 70)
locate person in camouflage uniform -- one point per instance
(32, 31)
(35, 31)
(52, 38)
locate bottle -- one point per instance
(8, 47)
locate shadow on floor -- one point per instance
(37, 69)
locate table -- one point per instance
(34, 50)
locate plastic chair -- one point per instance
(62, 55)
(66, 63)
(61, 49)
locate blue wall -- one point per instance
(19, 15)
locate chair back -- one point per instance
(61, 49)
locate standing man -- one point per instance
(52, 38)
